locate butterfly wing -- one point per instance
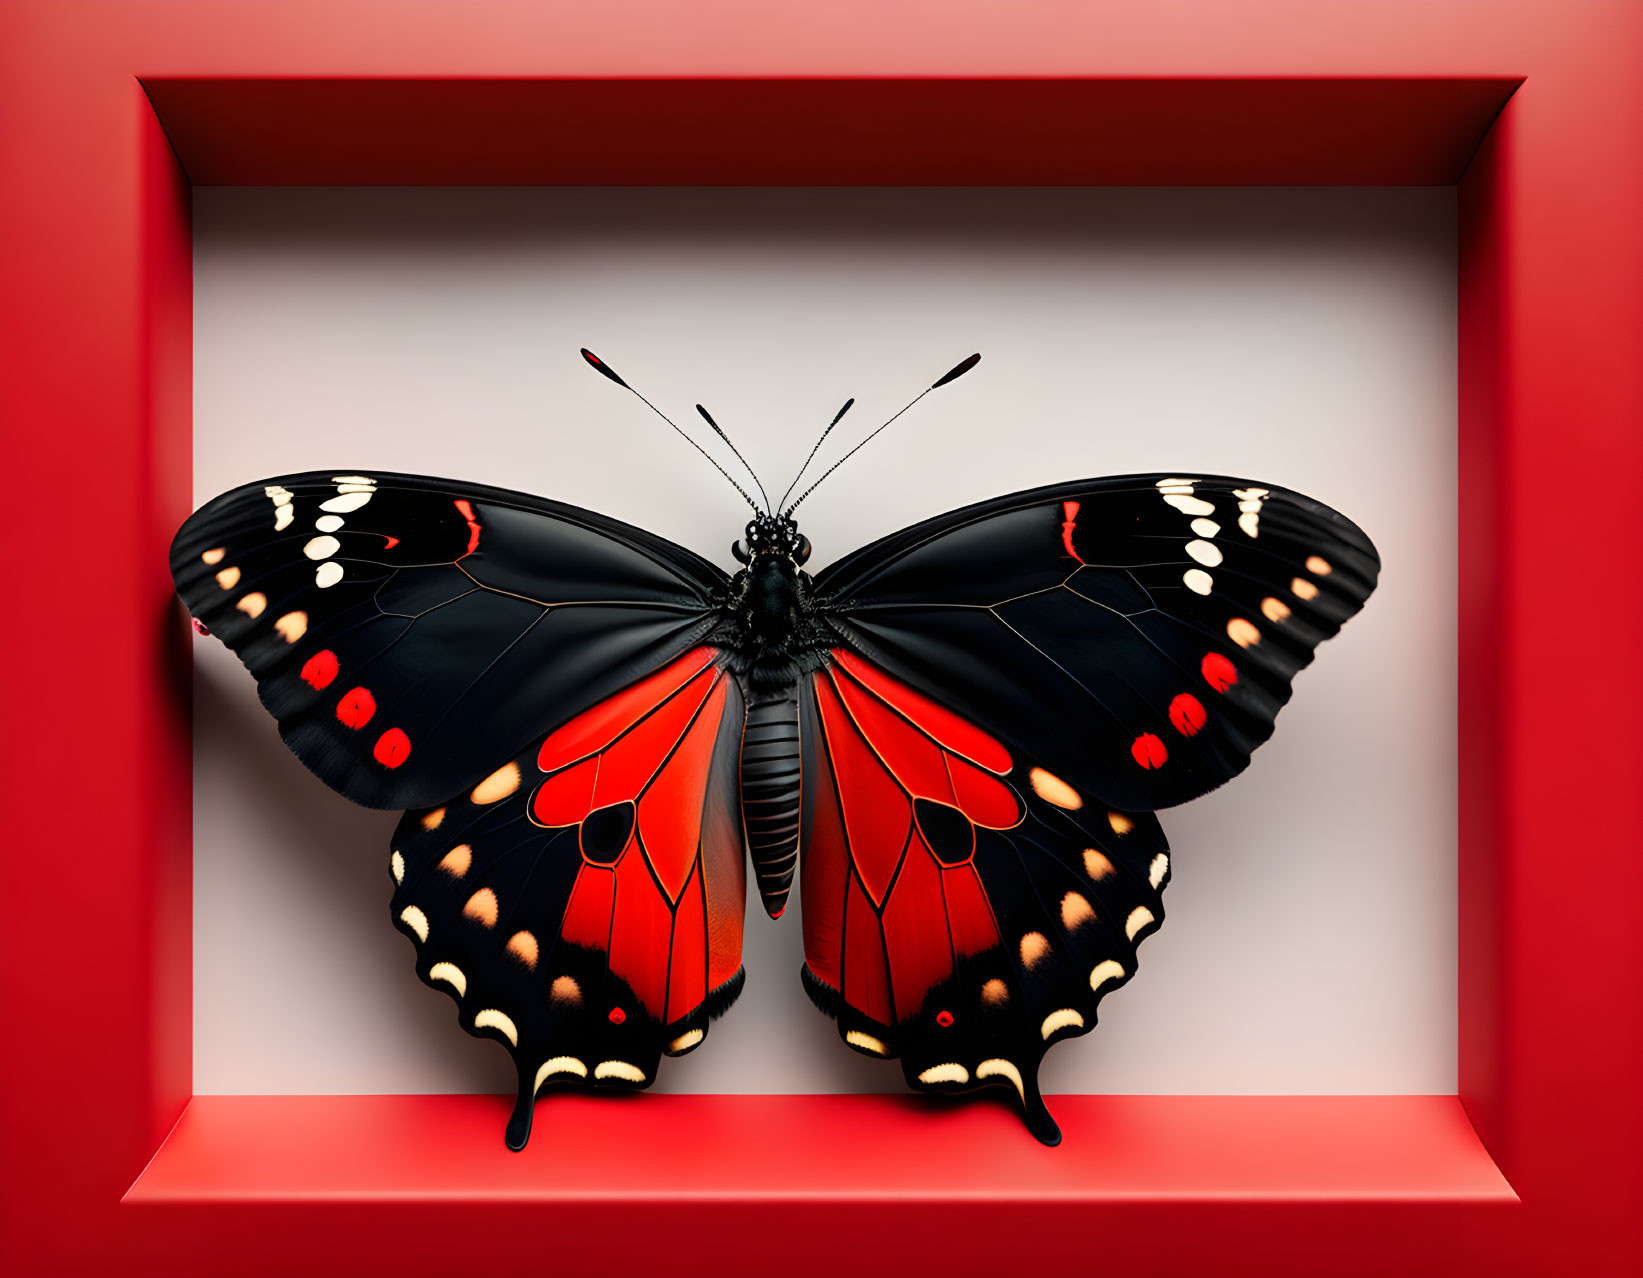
(529, 680)
(410, 634)
(952, 916)
(1136, 635)
(1020, 685)
(583, 904)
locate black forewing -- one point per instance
(412, 633)
(1136, 635)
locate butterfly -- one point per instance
(954, 741)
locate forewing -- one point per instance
(1135, 636)
(410, 633)
(583, 905)
(953, 916)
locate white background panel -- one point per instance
(1301, 337)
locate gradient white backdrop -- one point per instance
(1303, 337)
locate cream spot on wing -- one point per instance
(1034, 946)
(1301, 588)
(1204, 552)
(1189, 505)
(457, 861)
(341, 480)
(252, 605)
(292, 626)
(321, 547)
(345, 503)
(431, 820)
(490, 1018)
(213, 556)
(228, 578)
(1250, 523)
(866, 1042)
(685, 1041)
(1120, 823)
(482, 907)
(1139, 917)
(396, 863)
(560, 1065)
(1157, 870)
(283, 515)
(565, 990)
(1052, 789)
(995, 993)
(522, 945)
(1243, 633)
(1318, 567)
(328, 574)
(951, 1072)
(1198, 581)
(1075, 911)
(1096, 865)
(1002, 1068)
(499, 785)
(1065, 1018)
(1104, 971)
(1206, 527)
(328, 523)
(619, 1069)
(451, 974)
(416, 920)
(1274, 610)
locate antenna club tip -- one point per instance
(599, 365)
(957, 370)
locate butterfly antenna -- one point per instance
(815, 447)
(953, 374)
(599, 365)
(708, 418)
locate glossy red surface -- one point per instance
(94, 397)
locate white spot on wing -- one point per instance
(345, 503)
(1198, 581)
(1204, 552)
(322, 547)
(950, 1072)
(328, 574)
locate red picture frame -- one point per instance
(111, 110)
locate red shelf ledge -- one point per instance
(249, 1149)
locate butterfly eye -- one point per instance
(802, 551)
(743, 555)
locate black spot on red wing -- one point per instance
(605, 833)
(947, 830)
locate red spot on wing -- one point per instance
(199, 627)
(1218, 672)
(466, 510)
(320, 669)
(876, 813)
(1069, 514)
(392, 542)
(944, 1018)
(1186, 712)
(356, 708)
(393, 747)
(597, 727)
(1149, 751)
(687, 962)
(617, 1016)
(952, 731)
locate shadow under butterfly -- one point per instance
(956, 738)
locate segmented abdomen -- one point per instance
(770, 793)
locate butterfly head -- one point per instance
(773, 536)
